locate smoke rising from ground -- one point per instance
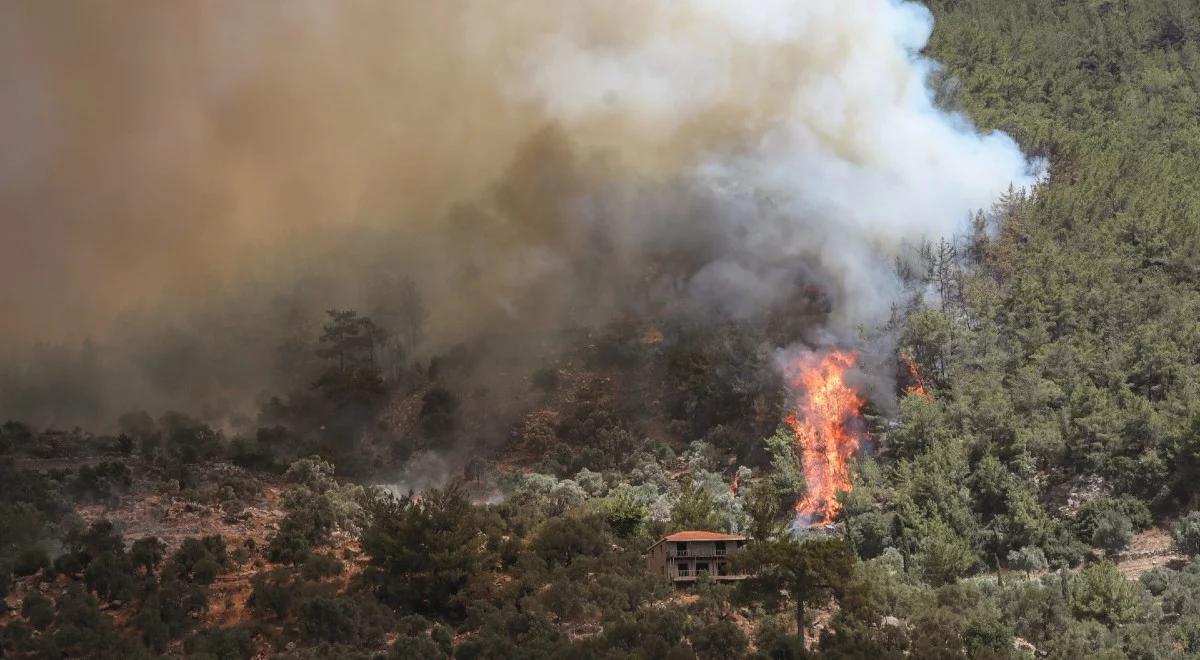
(191, 183)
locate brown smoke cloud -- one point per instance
(189, 183)
(156, 150)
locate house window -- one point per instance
(722, 569)
(681, 549)
(701, 568)
(681, 569)
(719, 548)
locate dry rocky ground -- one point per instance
(1148, 550)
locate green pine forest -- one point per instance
(998, 517)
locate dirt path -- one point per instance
(1148, 550)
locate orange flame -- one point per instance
(916, 382)
(824, 421)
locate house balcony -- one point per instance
(692, 576)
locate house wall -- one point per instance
(656, 560)
(682, 564)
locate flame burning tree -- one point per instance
(826, 421)
(916, 381)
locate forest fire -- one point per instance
(916, 381)
(825, 421)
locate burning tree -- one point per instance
(827, 425)
(916, 380)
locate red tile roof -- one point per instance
(702, 536)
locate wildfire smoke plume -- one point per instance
(191, 187)
(827, 423)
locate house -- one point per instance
(685, 555)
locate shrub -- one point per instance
(1187, 534)
(313, 472)
(1113, 531)
(156, 633)
(312, 517)
(251, 453)
(147, 553)
(1109, 522)
(623, 510)
(1100, 592)
(1156, 580)
(273, 593)
(415, 648)
(17, 639)
(85, 545)
(30, 560)
(167, 608)
(423, 552)
(412, 625)
(78, 609)
(221, 644)
(720, 640)
(695, 509)
(1028, 559)
(38, 609)
(206, 571)
(943, 556)
(444, 638)
(201, 560)
(341, 620)
(774, 639)
(289, 545)
(188, 439)
(320, 566)
(561, 540)
(111, 576)
(539, 638)
(101, 482)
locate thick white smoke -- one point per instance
(828, 147)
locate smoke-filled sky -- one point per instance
(523, 161)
